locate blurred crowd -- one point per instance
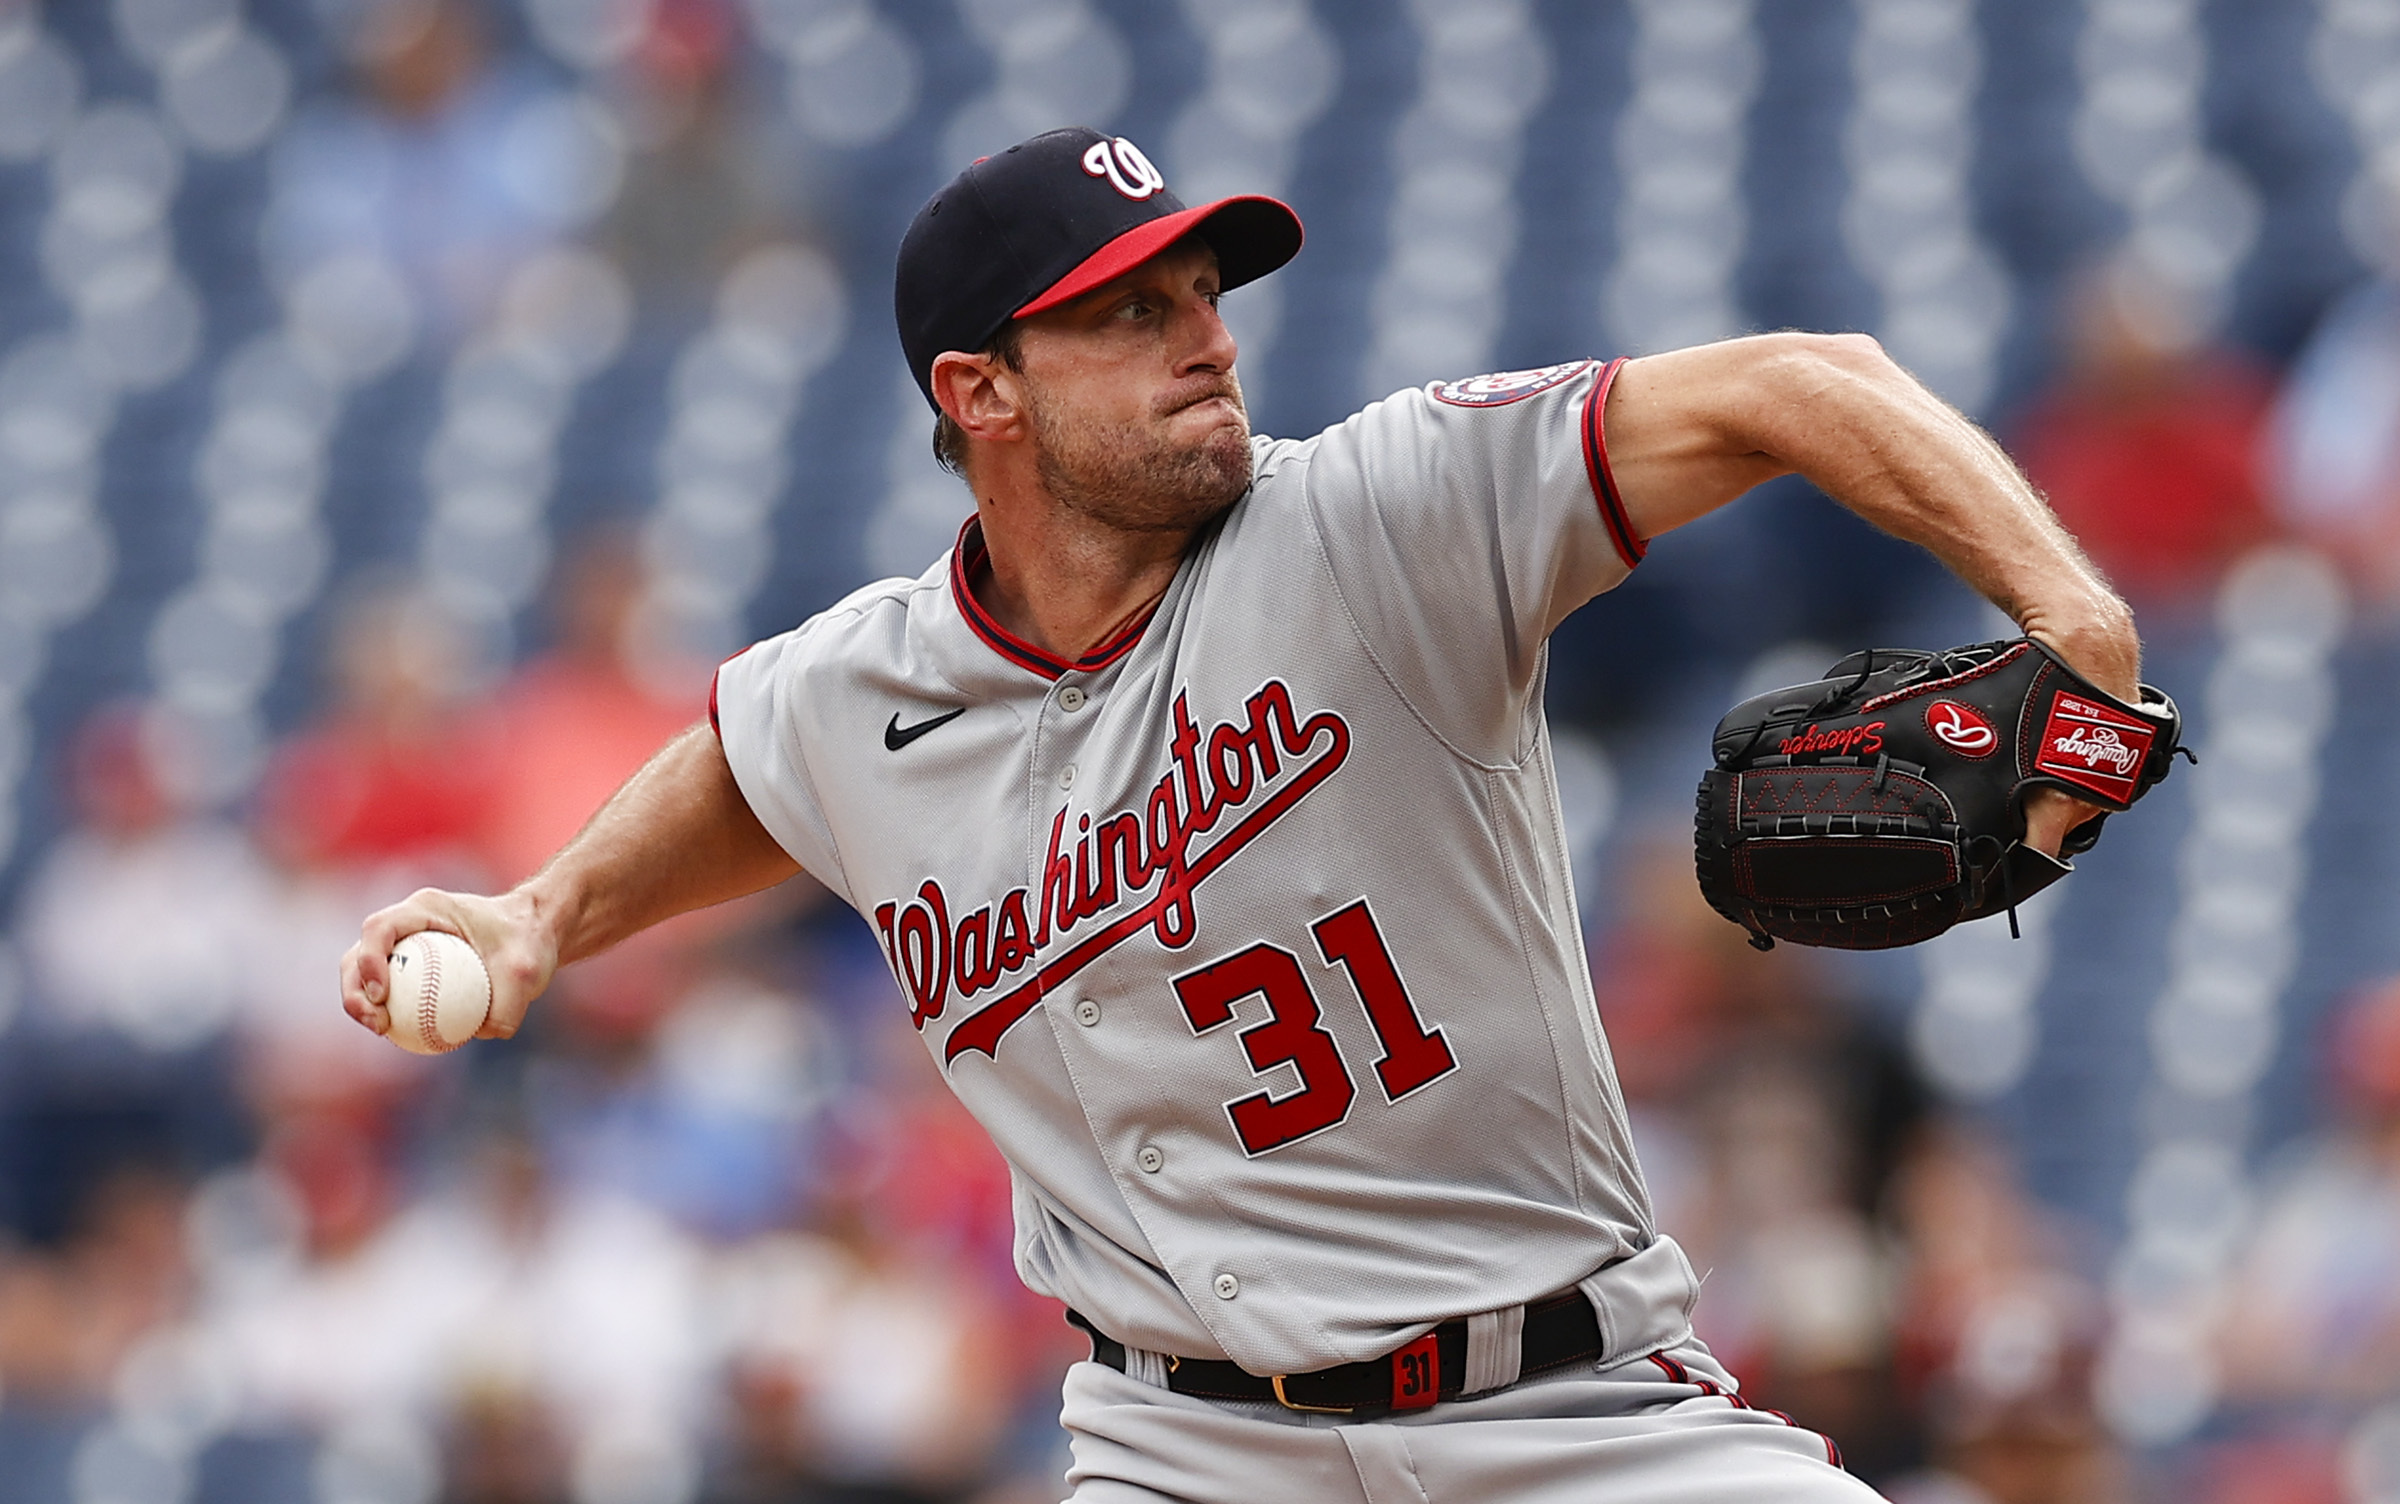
(711, 1228)
(454, 161)
(713, 1231)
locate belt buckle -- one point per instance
(1288, 1403)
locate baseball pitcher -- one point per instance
(1202, 800)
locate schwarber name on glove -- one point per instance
(1884, 803)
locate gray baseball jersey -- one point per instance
(1249, 936)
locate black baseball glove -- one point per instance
(1885, 803)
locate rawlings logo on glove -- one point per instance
(2093, 747)
(1961, 729)
(1832, 819)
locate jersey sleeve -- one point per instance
(754, 704)
(1464, 521)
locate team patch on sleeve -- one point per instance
(1503, 387)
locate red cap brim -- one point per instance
(1252, 235)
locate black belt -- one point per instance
(1558, 1331)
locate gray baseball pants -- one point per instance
(1653, 1431)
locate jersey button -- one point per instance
(1071, 698)
(1227, 1287)
(1150, 1159)
(1087, 1013)
(1066, 776)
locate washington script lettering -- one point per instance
(1108, 865)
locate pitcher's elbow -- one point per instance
(1819, 359)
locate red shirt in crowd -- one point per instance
(2159, 480)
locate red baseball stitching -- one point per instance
(429, 1002)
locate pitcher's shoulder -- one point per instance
(869, 626)
(1271, 457)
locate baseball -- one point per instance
(440, 993)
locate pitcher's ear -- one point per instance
(980, 394)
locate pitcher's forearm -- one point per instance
(1691, 429)
(677, 836)
(1917, 468)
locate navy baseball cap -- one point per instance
(1048, 220)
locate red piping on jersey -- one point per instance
(713, 723)
(1682, 1375)
(1630, 546)
(964, 558)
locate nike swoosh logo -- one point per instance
(896, 736)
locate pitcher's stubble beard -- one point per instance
(1137, 479)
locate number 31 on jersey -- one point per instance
(1291, 1034)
